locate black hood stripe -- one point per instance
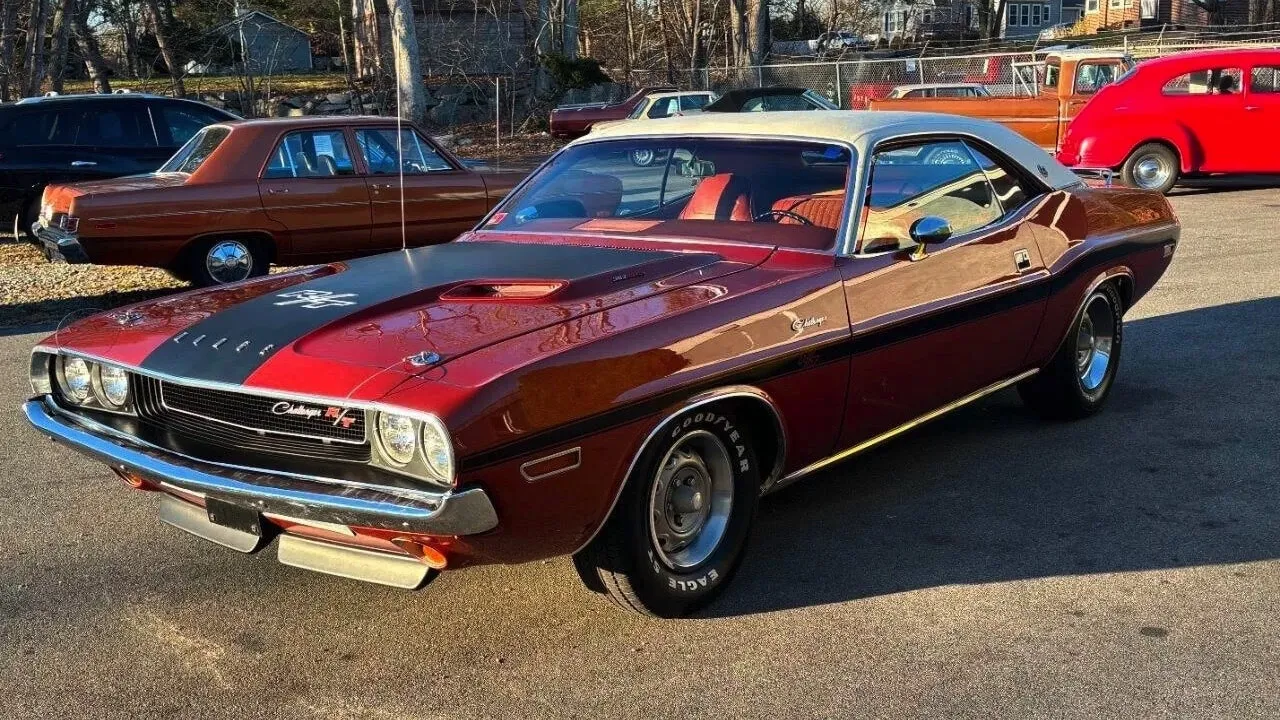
(230, 345)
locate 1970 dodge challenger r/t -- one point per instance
(619, 360)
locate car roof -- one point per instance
(78, 97)
(682, 93)
(1192, 57)
(934, 86)
(1086, 53)
(858, 127)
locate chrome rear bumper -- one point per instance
(59, 245)
(313, 499)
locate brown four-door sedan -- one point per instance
(242, 195)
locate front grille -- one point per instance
(251, 422)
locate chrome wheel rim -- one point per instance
(1094, 342)
(229, 261)
(1151, 172)
(691, 500)
(642, 158)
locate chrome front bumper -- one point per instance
(59, 245)
(307, 498)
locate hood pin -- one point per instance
(423, 359)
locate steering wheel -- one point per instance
(783, 213)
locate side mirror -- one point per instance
(928, 230)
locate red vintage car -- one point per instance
(240, 196)
(1194, 113)
(620, 360)
(571, 121)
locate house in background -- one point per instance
(1102, 15)
(454, 36)
(913, 20)
(1027, 19)
(271, 46)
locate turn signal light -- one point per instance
(428, 555)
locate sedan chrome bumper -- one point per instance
(59, 245)
(312, 499)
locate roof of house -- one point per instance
(242, 17)
(861, 128)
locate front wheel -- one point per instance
(1151, 167)
(680, 528)
(1078, 379)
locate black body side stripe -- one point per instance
(258, 328)
(1028, 293)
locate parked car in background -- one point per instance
(656, 106)
(240, 196)
(939, 90)
(67, 138)
(1062, 84)
(769, 99)
(618, 363)
(839, 42)
(571, 121)
(1200, 112)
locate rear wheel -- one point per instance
(224, 260)
(1151, 167)
(1078, 379)
(680, 528)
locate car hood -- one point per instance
(405, 312)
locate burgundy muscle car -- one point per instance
(620, 360)
(571, 121)
(240, 196)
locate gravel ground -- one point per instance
(987, 565)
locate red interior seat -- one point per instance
(720, 197)
(823, 210)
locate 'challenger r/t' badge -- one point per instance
(317, 299)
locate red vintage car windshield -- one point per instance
(770, 192)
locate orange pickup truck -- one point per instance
(1049, 94)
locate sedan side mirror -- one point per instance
(928, 230)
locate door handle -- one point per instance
(277, 191)
(83, 163)
(1022, 260)
(383, 186)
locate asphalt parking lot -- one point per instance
(989, 565)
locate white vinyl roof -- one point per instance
(861, 128)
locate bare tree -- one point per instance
(58, 56)
(34, 62)
(93, 62)
(8, 28)
(412, 103)
(160, 26)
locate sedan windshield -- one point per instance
(768, 192)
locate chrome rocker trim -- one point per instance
(315, 499)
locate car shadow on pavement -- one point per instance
(1182, 468)
(47, 315)
(1211, 185)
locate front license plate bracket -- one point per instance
(233, 516)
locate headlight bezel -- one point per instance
(96, 397)
(100, 391)
(419, 466)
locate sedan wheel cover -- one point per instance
(229, 261)
(691, 501)
(1151, 172)
(1094, 342)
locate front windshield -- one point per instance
(196, 150)
(763, 191)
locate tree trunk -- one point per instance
(758, 29)
(571, 27)
(346, 55)
(130, 41)
(38, 20)
(412, 103)
(629, 56)
(738, 27)
(8, 27)
(93, 62)
(61, 31)
(161, 30)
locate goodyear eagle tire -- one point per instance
(1077, 381)
(680, 529)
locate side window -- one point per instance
(637, 112)
(1051, 74)
(914, 94)
(44, 126)
(930, 179)
(694, 102)
(117, 127)
(183, 121)
(666, 107)
(378, 146)
(1265, 80)
(1214, 81)
(1092, 77)
(1011, 191)
(310, 153)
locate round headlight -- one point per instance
(436, 450)
(398, 437)
(77, 379)
(113, 383)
